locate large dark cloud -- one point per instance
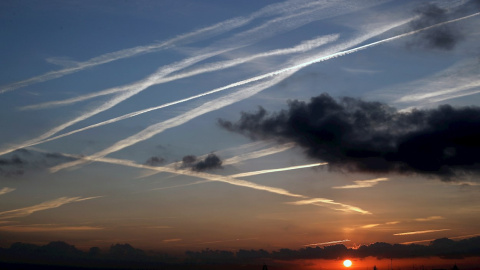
(443, 37)
(355, 135)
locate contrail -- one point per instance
(421, 232)
(159, 78)
(277, 170)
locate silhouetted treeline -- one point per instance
(126, 256)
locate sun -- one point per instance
(347, 263)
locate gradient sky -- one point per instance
(90, 91)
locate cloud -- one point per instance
(328, 243)
(23, 161)
(330, 204)
(171, 240)
(210, 162)
(429, 218)
(444, 37)
(363, 136)
(155, 161)
(6, 190)
(46, 228)
(26, 211)
(421, 232)
(364, 183)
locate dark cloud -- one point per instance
(189, 160)
(154, 161)
(443, 37)
(212, 161)
(21, 161)
(361, 136)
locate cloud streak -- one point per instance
(363, 183)
(26, 211)
(421, 232)
(6, 190)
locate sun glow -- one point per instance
(347, 263)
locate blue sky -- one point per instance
(92, 90)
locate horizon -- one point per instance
(177, 125)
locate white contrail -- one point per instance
(26, 211)
(363, 183)
(159, 77)
(247, 174)
(206, 32)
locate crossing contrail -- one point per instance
(156, 78)
(159, 76)
(180, 119)
(284, 9)
(260, 77)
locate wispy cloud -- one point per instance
(369, 226)
(429, 218)
(330, 204)
(6, 190)
(422, 232)
(246, 174)
(46, 228)
(172, 240)
(363, 183)
(26, 211)
(257, 154)
(429, 240)
(459, 80)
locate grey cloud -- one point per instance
(362, 136)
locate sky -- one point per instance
(184, 125)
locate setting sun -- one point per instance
(347, 263)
